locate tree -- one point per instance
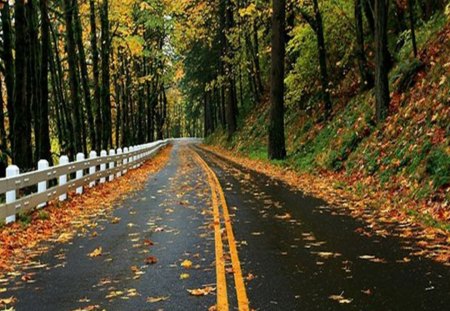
(43, 149)
(277, 149)
(96, 77)
(8, 61)
(412, 25)
(382, 98)
(105, 89)
(84, 73)
(366, 76)
(73, 77)
(316, 24)
(22, 154)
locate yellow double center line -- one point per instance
(218, 194)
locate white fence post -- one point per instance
(92, 156)
(11, 170)
(131, 158)
(119, 151)
(42, 186)
(111, 164)
(103, 154)
(63, 178)
(125, 160)
(80, 157)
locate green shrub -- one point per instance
(438, 166)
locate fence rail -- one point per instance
(87, 172)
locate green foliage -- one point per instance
(43, 215)
(24, 218)
(438, 166)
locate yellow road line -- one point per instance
(222, 296)
(241, 292)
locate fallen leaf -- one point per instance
(114, 294)
(367, 257)
(201, 291)
(150, 260)
(8, 301)
(186, 264)
(96, 252)
(184, 276)
(115, 220)
(157, 299)
(148, 242)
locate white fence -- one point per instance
(86, 172)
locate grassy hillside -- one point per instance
(408, 155)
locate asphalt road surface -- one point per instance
(238, 239)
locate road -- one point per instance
(245, 240)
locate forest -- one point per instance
(80, 75)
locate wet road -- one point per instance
(266, 247)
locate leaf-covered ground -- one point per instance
(399, 170)
(23, 241)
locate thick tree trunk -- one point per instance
(366, 76)
(8, 62)
(381, 60)
(231, 104)
(43, 150)
(73, 77)
(322, 60)
(96, 75)
(84, 75)
(277, 148)
(105, 90)
(22, 153)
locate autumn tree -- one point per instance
(382, 97)
(277, 149)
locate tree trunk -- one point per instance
(381, 60)
(96, 81)
(412, 21)
(105, 90)
(84, 75)
(230, 104)
(43, 151)
(366, 76)
(277, 148)
(3, 139)
(8, 62)
(22, 153)
(322, 60)
(73, 76)
(369, 12)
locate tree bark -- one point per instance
(3, 138)
(277, 148)
(230, 104)
(96, 77)
(412, 21)
(381, 60)
(8, 62)
(73, 76)
(84, 75)
(322, 60)
(22, 152)
(366, 76)
(43, 151)
(105, 89)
